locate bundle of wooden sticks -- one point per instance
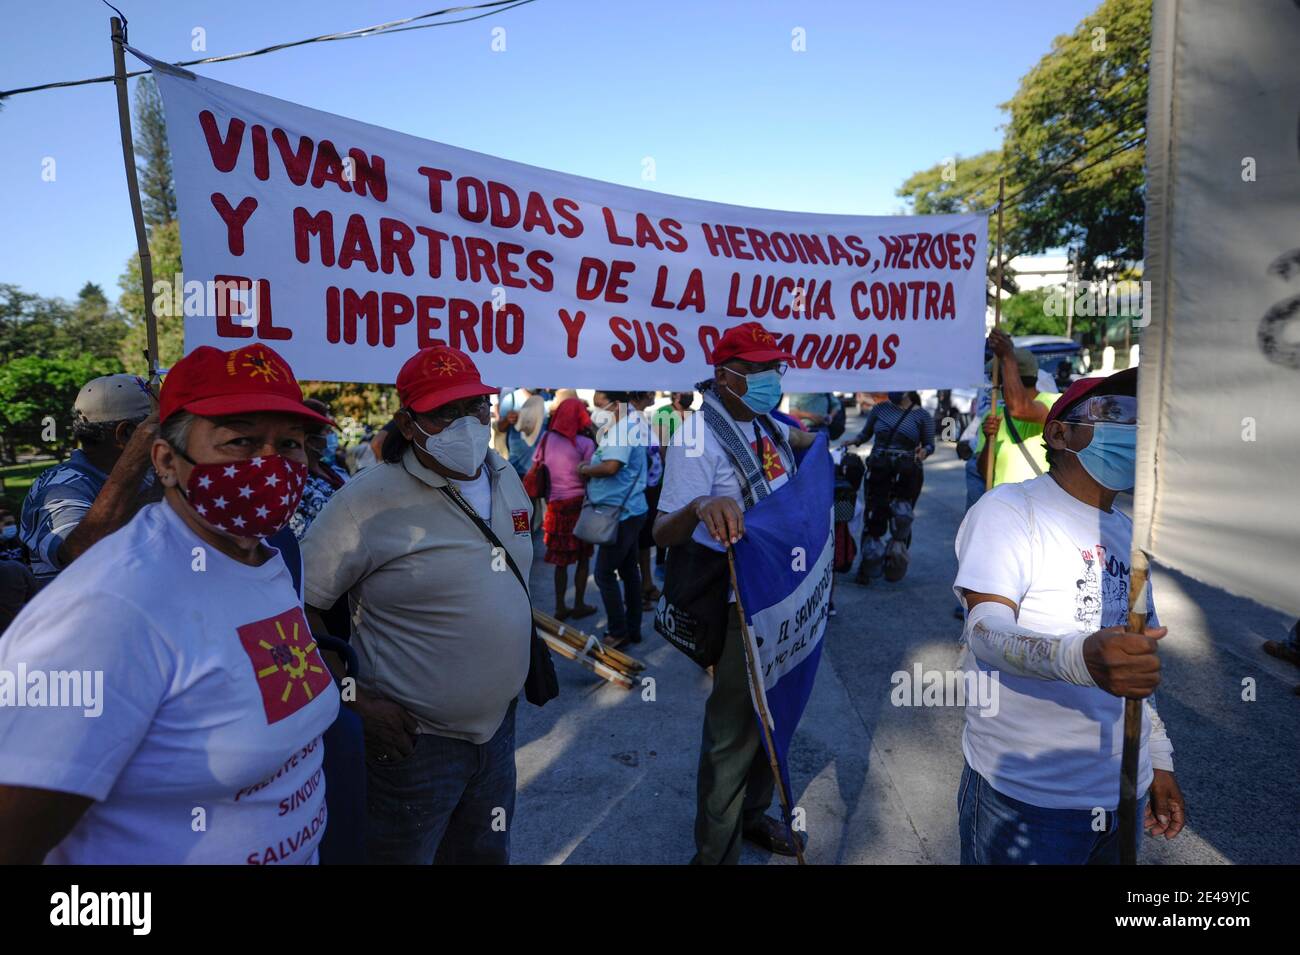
(600, 658)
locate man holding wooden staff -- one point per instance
(1044, 575)
(744, 455)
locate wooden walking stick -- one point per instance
(990, 459)
(756, 683)
(1128, 767)
(133, 188)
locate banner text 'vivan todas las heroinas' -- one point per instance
(357, 245)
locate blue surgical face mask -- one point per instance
(762, 390)
(331, 447)
(1111, 457)
(9, 532)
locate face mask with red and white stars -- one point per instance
(251, 498)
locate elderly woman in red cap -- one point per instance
(174, 697)
(563, 449)
(426, 547)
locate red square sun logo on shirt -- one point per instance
(773, 467)
(289, 669)
(520, 518)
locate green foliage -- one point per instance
(32, 325)
(36, 391)
(165, 253)
(153, 158)
(361, 401)
(1026, 314)
(1083, 100)
(1089, 94)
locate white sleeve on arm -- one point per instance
(1160, 747)
(999, 641)
(994, 550)
(688, 474)
(334, 553)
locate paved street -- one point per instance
(606, 776)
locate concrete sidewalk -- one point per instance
(608, 775)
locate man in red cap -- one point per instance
(743, 454)
(1044, 576)
(209, 697)
(425, 545)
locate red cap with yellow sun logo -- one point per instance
(211, 382)
(436, 375)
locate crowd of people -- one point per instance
(270, 611)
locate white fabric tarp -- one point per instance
(1219, 464)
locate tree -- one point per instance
(153, 157)
(36, 399)
(964, 186)
(1025, 313)
(1079, 117)
(165, 251)
(34, 326)
(1072, 151)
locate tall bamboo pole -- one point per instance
(991, 444)
(133, 188)
(756, 683)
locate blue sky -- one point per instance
(710, 89)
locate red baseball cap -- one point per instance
(211, 382)
(1120, 383)
(436, 375)
(749, 341)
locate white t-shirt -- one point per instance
(694, 469)
(1066, 565)
(214, 698)
(478, 492)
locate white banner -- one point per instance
(1220, 384)
(357, 245)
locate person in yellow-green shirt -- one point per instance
(1028, 409)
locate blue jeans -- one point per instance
(451, 802)
(623, 611)
(998, 830)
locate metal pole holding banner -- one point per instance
(997, 323)
(755, 681)
(133, 187)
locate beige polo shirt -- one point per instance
(440, 625)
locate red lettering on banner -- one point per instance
(320, 225)
(716, 243)
(673, 229)
(537, 215)
(329, 167)
(261, 153)
(296, 163)
(234, 219)
(395, 241)
(692, 295)
(396, 310)
(504, 205)
(572, 326)
(224, 288)
(611, 228)
(357, 307)
(356, 245)
(224, 152)
(543, 279)
(461, 319)
(426, 323)
(436, 178)
(567, 210)
(368, 173)
(478, 211)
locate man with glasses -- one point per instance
(743, 455)
(441, 632)
(1043, 572)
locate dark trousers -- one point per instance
(622, 557)
(889, 478)
(451, 802)
(734, 785)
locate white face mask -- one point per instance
(461, 446)
(602, 418)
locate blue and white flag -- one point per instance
(783, 572)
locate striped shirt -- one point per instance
(916, 429)
(57, 501)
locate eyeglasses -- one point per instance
(780, 368)
(1104, 409)
(450, 413)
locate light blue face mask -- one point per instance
(762, 390)
(331, 447)
(1111, 457)
(9, 532)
